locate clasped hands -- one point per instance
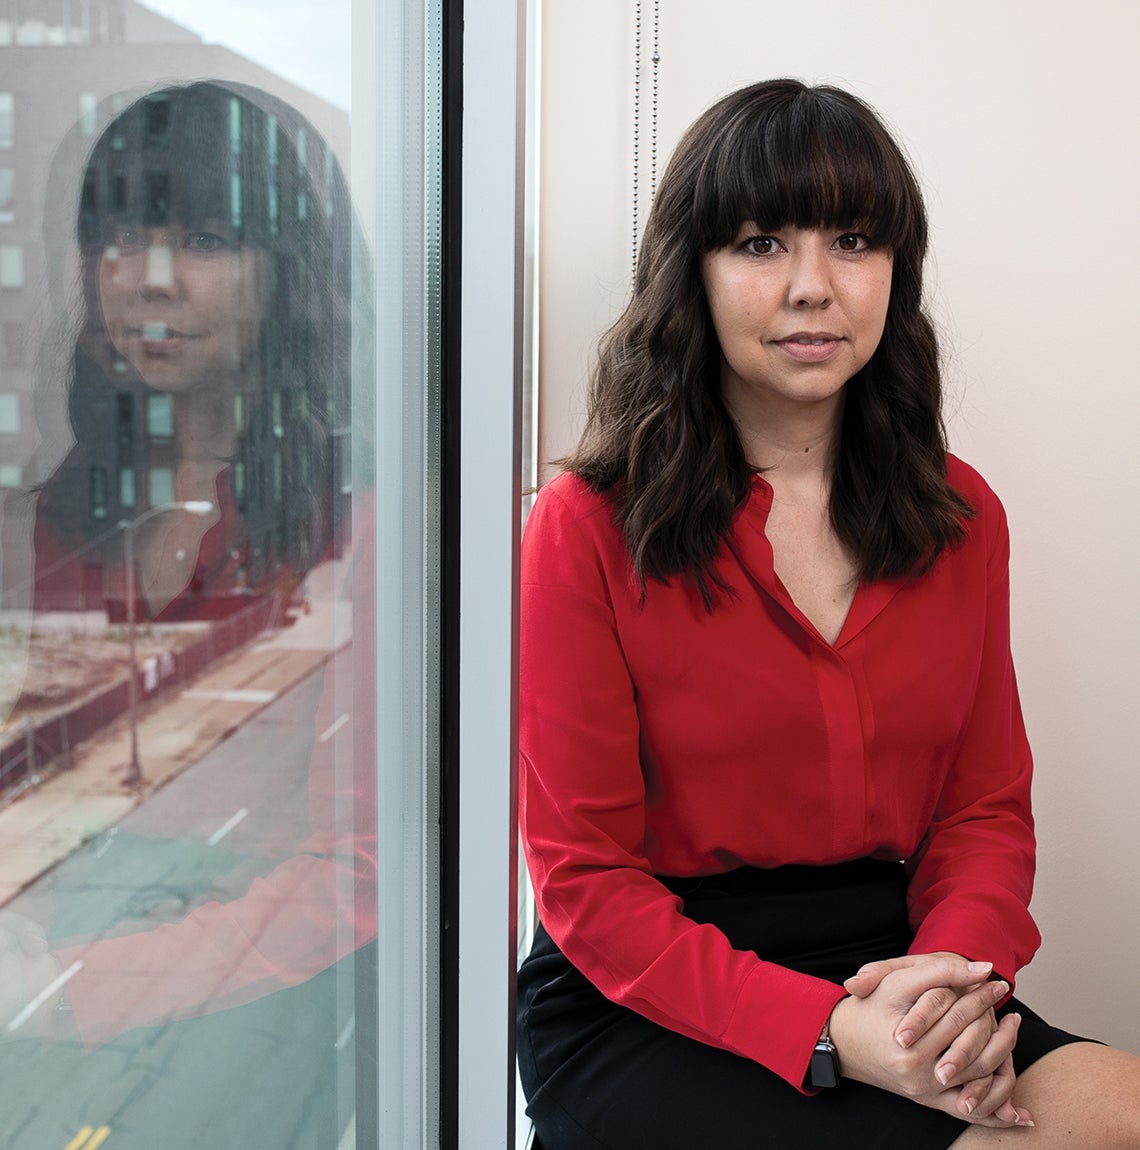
(923, 1026)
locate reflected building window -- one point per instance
(15, 344)
(10, 476)
(159, 417)
(11, 266)
(126, 487)
(125, 426)
(88, 114)
(97, 491)
(118, 139)
(157, 119)
(157, 197)
(302, 168)
(7, 119)
(7, 196)
(160, 483)
(9, 413)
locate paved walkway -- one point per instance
(46, 824)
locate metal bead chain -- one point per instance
(636, 130)
(656, 72)
(656, 59)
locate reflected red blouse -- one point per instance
(657, 738)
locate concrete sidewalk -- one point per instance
(46, 824)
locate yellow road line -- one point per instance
(89, 1138)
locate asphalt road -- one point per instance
(276, 1074)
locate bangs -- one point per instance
(809, 161)
(201, 157)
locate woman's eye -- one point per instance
(761, 245)
(128, 240)
(204, 242)
(852, 242)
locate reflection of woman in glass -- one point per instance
(213, 363)
(215, 297)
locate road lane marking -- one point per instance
(334, 728)
(231, 696)
(49, 991)
(346, 1033)
(89, 1138)
(226, 827)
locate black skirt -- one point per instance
(598, 1075)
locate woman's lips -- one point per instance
(158, 338)
(810, 347)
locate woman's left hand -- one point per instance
(954, 1068)
(930, 1006)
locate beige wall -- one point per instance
(1020, 119)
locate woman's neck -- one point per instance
(796, 442)
(204, 426)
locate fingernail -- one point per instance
(967, 1106)
(904, 1038)
(1000, 989)
(1025, 1121)
(945, 1072)
(980, 967)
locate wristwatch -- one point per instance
(823, 1071)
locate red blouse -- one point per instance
(657, 738)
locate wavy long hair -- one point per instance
(658, 438)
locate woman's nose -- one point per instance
(810, 280)
(158, 271)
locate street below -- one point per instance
(273, 1074)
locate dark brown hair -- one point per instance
(658, 438)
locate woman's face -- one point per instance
(797, 312)
(182, 305)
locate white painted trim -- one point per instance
(490, 494)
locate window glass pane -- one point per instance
(196, 495)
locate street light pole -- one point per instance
(134, 774)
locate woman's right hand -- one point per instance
(967, 1036)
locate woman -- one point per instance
(765, 656)
(212, 362)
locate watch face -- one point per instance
(824, 1071)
